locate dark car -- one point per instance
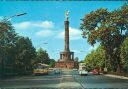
(57, 71)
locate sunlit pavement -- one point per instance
(68, 79)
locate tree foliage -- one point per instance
(25, 55)
(42, 56)
(124, 55)
(95, 59)
(52, 63)
(17, 53)
(8, 39)
(108, 28)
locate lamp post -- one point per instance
(105, 68)
(17, 15)
(2, 61)
(45, 43)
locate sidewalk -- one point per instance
(115, 76)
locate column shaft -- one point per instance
(66, 36)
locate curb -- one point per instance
(115, 76)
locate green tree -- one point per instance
(106, 28)
(124, 55)
(17, 53)
(42, 57)
(25, 55)
(52, 63)
(8, 39)
(95, 59)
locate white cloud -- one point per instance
(45, 33)
(23, 25)
(45, 29)
(44, 24)
(74, 34)
(37, 24)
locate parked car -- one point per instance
(75, 69)
(83, 72)
(57, 71)
(95, 72)
(51, 69)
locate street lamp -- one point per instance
(105, 69)
(45, 43)
(17, 15)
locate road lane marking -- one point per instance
(68, 82)
(78, 82)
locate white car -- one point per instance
(83, 72)
(75, 69)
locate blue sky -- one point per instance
(44, 23)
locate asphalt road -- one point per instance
(101, 81)
(66, 80)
